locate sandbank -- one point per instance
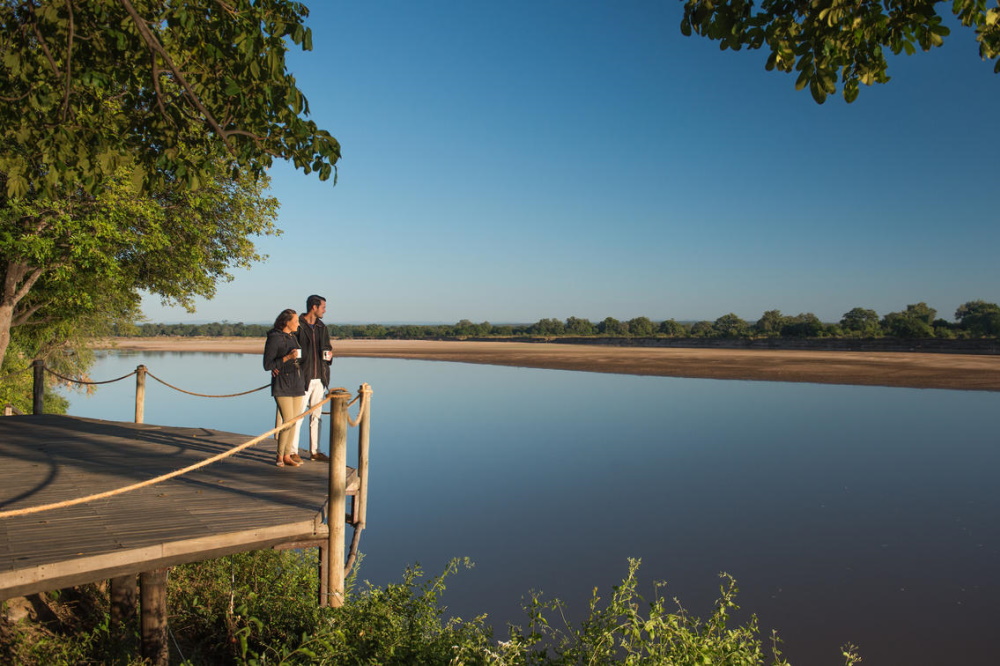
(902, 369)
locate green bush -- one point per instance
(260, 608)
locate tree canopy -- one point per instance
(162, 87)
(838, 42)
(134, 140)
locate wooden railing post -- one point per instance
(364, 433)
(38, 389)
(140, 394)
(337, 503)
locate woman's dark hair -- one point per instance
(284, 318)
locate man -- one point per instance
(317, 355)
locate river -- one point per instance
(846, 514)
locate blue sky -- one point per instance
(520, 160)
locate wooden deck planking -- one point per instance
(235, 503)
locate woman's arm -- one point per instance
(274, 359)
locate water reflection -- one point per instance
(860, 514)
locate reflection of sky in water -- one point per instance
(846, 513)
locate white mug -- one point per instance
(327, 355)
(297, 352)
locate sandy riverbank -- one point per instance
(948, 371)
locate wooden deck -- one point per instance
(241, 503)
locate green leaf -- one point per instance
(818, 94)
(803, 79)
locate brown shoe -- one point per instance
(295, 458)
(289, 462)
(319, 457)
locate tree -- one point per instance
(577, 326)
(672, 328)
(547, 327)
(91, 256)
(611, 326)
(641, 327)
(730, 326)
(134, 137)
(838, 40)
(465, 329)
(162, 87)
(770, 323)
(802, 325)
(979, 318)
(914, 322)
(861, 321)
(702, 329)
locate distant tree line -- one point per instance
(975, 319)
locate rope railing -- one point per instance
(13, 373)
(163, 477)
(206, 395)
(364, 395)
(86, 382)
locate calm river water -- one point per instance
(846, 514)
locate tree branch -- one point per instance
(21, 318)
(69, 59)
(28, 282)
(154, 45)
(41, 42)
(11, 278)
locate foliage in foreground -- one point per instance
(259, 608)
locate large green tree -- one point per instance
(914, 322)
(730, 326)
(843, 43)
(771, 323)
(134, 140)
(979, 317)
(861, 321)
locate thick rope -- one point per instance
(149, 482)
(205, 395)
(81, 381)
(12, 373)
(364, 393)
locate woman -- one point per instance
(281, 358)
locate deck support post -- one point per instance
(124, 601)
(140, 394)
(337, 499)
(324, 574)
(38, 388)
(153, 608)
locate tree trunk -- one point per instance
(6, 319)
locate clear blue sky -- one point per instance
(519, 160)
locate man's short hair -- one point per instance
(314, 300)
